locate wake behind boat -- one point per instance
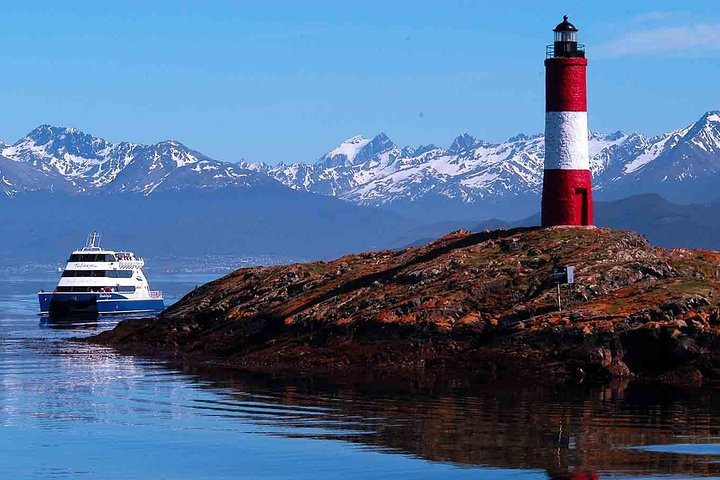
(98, 281)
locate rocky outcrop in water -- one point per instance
(469, 305)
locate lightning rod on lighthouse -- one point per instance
(567, 185)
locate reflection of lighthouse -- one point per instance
(567, 189)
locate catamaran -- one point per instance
(99, 281)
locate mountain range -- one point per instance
(471, 178)
(483, 178)
(166, 199)
(65, 159)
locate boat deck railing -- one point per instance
(131, 264)
(156, 294)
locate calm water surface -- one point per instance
(76, 411)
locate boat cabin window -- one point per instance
(98, 273)
(83, 273)
(120, 273)
(91, 257)
(96, 289)
(83, 289)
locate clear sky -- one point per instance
(288, 80)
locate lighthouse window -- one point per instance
(566, 36)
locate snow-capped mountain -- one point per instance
(378, 172)
(90, 163)
(471, 175)
(472, 171)
(682, 165)
(16, 177)
(354, 163)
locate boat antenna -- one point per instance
(93, 240)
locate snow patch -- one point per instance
(349, 148)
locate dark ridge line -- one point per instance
(366, 280)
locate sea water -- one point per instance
(72, 410)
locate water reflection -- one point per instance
(90, 322)
(75, 410)
(571, 433)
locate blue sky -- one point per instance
(287, 80)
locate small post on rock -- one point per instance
(558, 298)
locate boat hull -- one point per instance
(62, 304)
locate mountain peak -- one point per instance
(356, 149)
(608, 137)
(355, 140)
(464, 142)
(712, 116)
(380, 142)
(518, 138)
(377, 146)
(172, 143)
(346, 151)
(42, 133)
(707, 126)
(55, 137)
(53, 129)
(381, 137)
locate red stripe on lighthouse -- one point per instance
(567, 198)
(565, 85)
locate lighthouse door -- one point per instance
(581, 200)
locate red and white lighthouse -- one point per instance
(567, 189)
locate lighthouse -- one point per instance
(567, 188)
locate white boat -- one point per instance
(99, 281)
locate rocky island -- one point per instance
(470, 306)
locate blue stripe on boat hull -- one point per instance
(125, 306)
(96, 303)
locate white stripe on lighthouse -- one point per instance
(566, 141)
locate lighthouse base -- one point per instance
(567, 198)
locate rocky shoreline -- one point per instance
(467, 307)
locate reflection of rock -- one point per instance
(556, 429)
(467, 305)
(685, 376)
(573, 475)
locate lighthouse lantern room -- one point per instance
(567, 186)
(566, 44)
